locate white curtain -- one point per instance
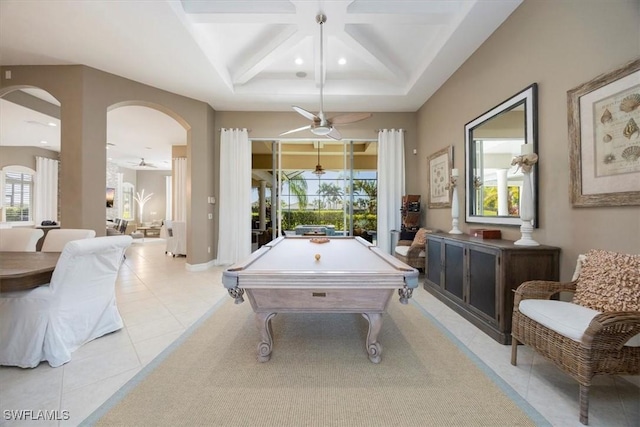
(234, 236)
(45, 190)
(180, 189)
(168, 214)
(119, 194)
(390, 184)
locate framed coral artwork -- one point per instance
(439, 176)
(604, 138)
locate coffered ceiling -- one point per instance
(241, 55)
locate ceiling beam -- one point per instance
(369, 51)
(270, 50)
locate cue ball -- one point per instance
(317, 257)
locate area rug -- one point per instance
(319, 375)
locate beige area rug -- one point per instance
(319, 375)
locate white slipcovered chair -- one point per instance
(177, 243)
(79, 305)
(164, 229)
(19, 239)
(56, 239)
(166, 232)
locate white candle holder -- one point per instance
(526, 162)
(455, 212)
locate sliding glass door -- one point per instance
(321, 187)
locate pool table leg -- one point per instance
(373, 346)
(263, 322)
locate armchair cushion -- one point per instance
(404, 251)
(567, 319)
(609, 281)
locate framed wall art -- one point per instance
(439, 175)
(604, 138)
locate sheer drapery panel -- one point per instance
(180, 189)
(391, 183)
(234, 236)
(45, 190)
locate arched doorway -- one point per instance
(141, 145)
(29, 156)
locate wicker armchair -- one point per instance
(412, 256)
(411, 248)
(601, 350)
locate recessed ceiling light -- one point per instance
(148, 148)
(52, 124)
(342, 61)
(299, 61)
(43, 142)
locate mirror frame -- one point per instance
(530, 97)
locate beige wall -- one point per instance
(24, 156)
(85, 95)
(559, 45)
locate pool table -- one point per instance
(321, 275)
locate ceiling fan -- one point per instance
(144, 164)
(321, 125)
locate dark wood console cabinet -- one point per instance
(476, 277)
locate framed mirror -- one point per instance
(493, 186)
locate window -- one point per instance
(18, 201)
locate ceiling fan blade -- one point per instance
(295, 130)
(306, 113)
(334, 134)
(344, 119)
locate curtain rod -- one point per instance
(380, 130)
(221, 129)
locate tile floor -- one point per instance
(159, 299)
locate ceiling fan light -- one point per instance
(321, 130)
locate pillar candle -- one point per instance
(526, 149)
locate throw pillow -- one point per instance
(609, 281)
(420, 239)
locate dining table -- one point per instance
(21, 271)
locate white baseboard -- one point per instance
(201, 267)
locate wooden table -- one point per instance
(26, 270)
(343, 275)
